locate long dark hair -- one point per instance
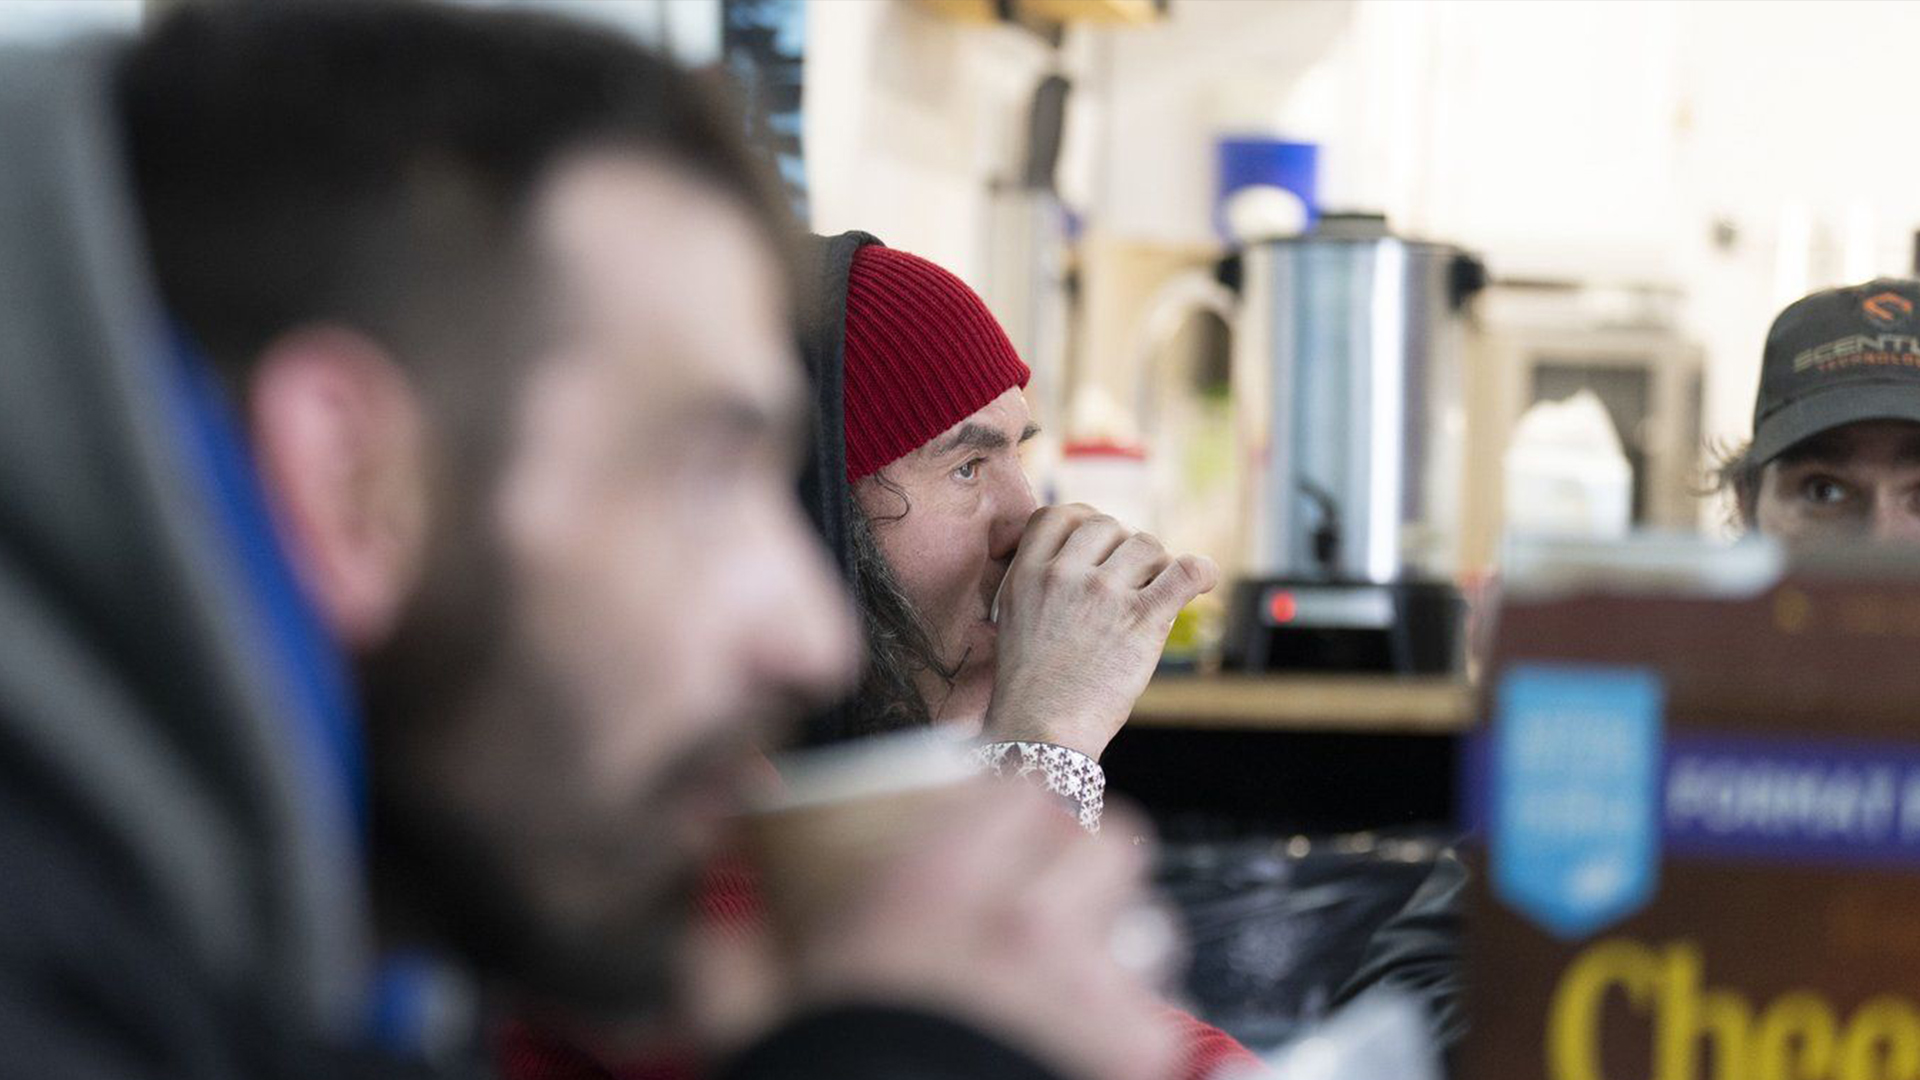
(899, 645)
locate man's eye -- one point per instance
(970, 470)
(1823, 491)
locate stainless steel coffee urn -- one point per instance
(1349, 413)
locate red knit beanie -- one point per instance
(922, 354)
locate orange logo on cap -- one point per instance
(1888, 308)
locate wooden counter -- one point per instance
(1322, 703)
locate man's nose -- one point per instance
(1015, 503)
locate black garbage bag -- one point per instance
(1277, 925)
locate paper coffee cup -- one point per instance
(843, 811)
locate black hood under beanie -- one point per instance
(825, 264)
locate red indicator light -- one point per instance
(1281, 607)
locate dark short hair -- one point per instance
(369, 163)
(1733, 470)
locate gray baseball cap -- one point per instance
(1837, 357)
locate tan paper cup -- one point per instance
(845, 810)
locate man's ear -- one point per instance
(339, 435)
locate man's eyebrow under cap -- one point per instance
(980, 437)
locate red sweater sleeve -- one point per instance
(1209, 1050)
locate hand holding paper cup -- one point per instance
(894, 875)
(843, 814)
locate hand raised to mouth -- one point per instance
(1084, 612)
(1003, 912)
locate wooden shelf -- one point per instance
(1327, 703)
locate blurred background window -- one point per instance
(29, 21)
(687, 29)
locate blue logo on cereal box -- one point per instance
(1575, 772)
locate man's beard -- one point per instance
(548, 900)
(483, 841)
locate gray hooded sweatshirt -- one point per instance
(180, 883)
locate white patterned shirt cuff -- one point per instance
(1069, 774)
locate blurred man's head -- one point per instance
(934, 423)
(504, 305)
(1836, 430)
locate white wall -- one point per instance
(909, 118)
(1552, 133)
(1797, 126)
(1597, 140)
(1603, 141)
(1166, 92)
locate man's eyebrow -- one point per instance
(974, 436)
(1029, 432)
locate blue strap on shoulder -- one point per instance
(302, 659)
(411, 997)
